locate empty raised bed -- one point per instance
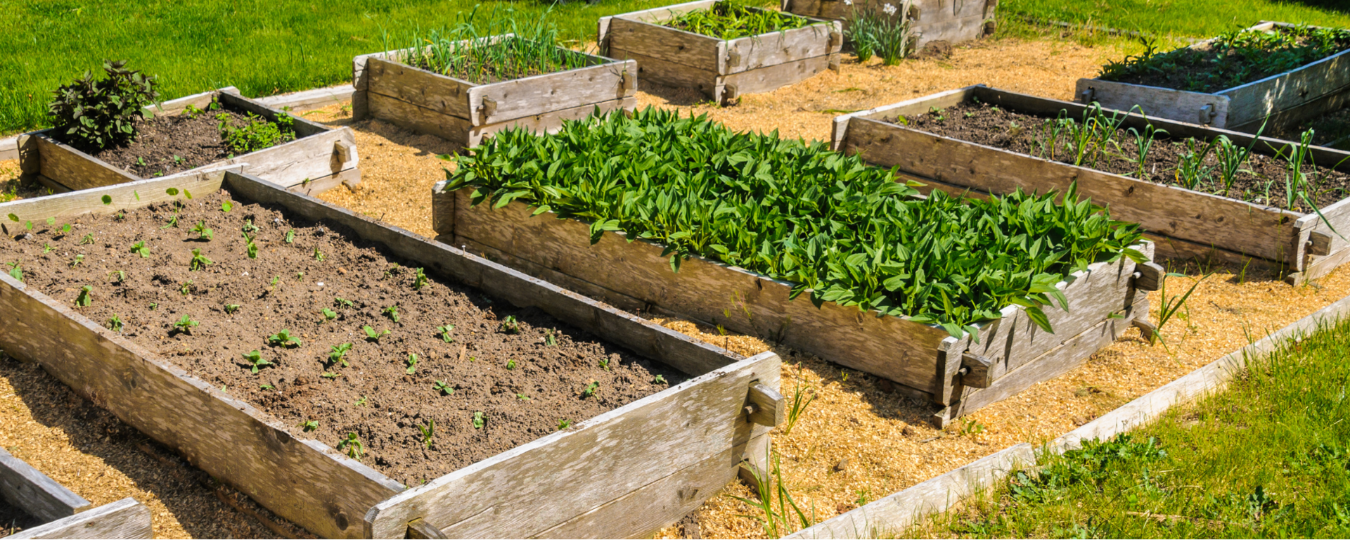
(310, 357)
(462, 87)
(190, 134)
(644, 229)
(32, 505)
(1272, 74)
(928, 21)
(1193, 205)
(721, 48)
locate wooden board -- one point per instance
(29, 490)
(122, 519)
(1253, 102)
(1179, 105)
(73, 168)
(665, 43)
(769, 50)
(418, 119)
(551, 122)
(543, 94)
(444, 95)
(669, 73)
(769, 78)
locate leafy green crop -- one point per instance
(338, 354)
(256, 133)
(284, 339)
(97, 114)
(198, 261)
(467, 50)
(834, 226)
(255, 360)
(731, 20)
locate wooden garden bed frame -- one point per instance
(318, 159)
(627, 472)
(1185, 224)
(722, 69)
(961, 375)
(953, 21)
(63, 513)
(464, 113)
(1287, 98)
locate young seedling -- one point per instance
(372, 335)
(329, 314)
(361, 402)
(419, 279)
(801, 399)
(342, 302)
(478, 420)
(604, 364)
(659, 379)
(309, 425)
(285, 339)
(412, 364)
(185, 288)
(140, 249)
(299, 276)
(329, 375)
(442, 388)
(203, 233)
(511, 364)
(290, 236)
(185, 325)
(444, 331)
(550, 340)
(337, 354)
(79, 259)
(428, 433)
(1171, 305)
(153, 306)
(46, 248)
(120, 275)
(88, 239)
(115, 323)
(510, 326)
(564, 424)
(251, 249)
(318, 255)
(522, 397)
(226, 206)
(173, 222)
(590, 390)
(83, 300)
(198, 261)
(255, 360)
(266, 387)
(249, 226)
(392, 312)
(231, 308)
(353, 446)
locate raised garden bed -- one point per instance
(394, 86)
(929, 20)
(40, 507)
(960, 141)
(1239, 81)
(181, 140)
(723, 69)
(515, 470)
(959, 360)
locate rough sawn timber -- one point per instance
(721, 69)
(952, 21)
(1186, 224)
(122, 519)
(35, 493)
(616, 461)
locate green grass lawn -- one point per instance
(1196, 18)
(1269, 457)
(262, 47)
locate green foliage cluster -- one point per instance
(469, 49)
(798, 212)
(882, 32)
(730, 19)
(94, 114)
(1232, 59)
(256, 134)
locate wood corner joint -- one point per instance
(764, 405)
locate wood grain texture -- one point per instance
(418, 119)
(1253, 102)
(1156, 102)
(667, 73)
(310, 99)
(552, 121)
(122, 519)
(776, 48)
(73, 168)
(663, 43)
(769, 78)
(432, 91)
(120, 197)
(543, 94)
(27, 489)
(665, 13)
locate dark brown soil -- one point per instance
(14, 520)
(523, 382)
(1231, 63)
(1262, 180)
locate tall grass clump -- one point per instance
(795, 211)
(472, 48)
(883, 33)
(731, 19)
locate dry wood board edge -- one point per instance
(35, 493)
(122, 519)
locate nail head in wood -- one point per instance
(1319, 243)
(765, 405)
(1150, 276)
(978, 371)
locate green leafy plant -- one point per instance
(115, 323)
(844, 231)
(250, 248)
(309, 425)
(1171, 305)
(472, 49)
(659, 379)
(256, 133)
(883, 32)
(17, 273)
(776, 519)
(428, 433)
(231, 308)
(198, 261)
(226, 206)
(522, 397)
(329, 375)
(360, 402)
(290, 236)
(412, 364)
(88, 239)
(1232, 59)
(140, 249)
(185, 288)
(732, 20)
(801, 399)
(318, 255)
(185, 324)
(172, 223)
(202, 231)
(392, 312)
(441, 387)
(96, 114)
(329, 314)
(510, 325)
(444, 331)
(372, 335)
(84, 298)
(79, 259)
(604, 364)
(564, 424)
(284, 339)
(419, 279)
(337, 354)
(121, 276)
(255, 360)
(590, 390)
(550, 339)
(511, 364)
(342, 302)
(479, 420)
(352, 444)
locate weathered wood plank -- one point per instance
(1253, 102)
(542, 94)
(769, 78)
(418, 119)
(941, 100)
(122, 519)
(654, 70)
(296, 162)
(309, 99)
(1193, 107)
(200, 101)
(444, 95)
(664, 43)
(121, 197)
(73, 168)
(29, 490)
(781, 47)
(678, 427)
(665, 13)
(552, 121)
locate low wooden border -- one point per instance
(962, 375)
(1186, 224)
(953, 21)
(897, 512)
(721, 69)
(664, 454)
(65, 514)
(1287, 98)
(464, 112)
(320, 158)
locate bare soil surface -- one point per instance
(13, 520)
(511, 375)
(1261, 179)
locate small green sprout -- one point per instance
(392, 312)
(550, 339)
(251, 249)
(83, 300)
(412, 364)
(329, 375)
(442, 388)
(371, 335)
(173, 222)
(256, 361)
(88, 239)
(153, 306)
(115, 323)
(337, 353)
(419, 279)
(318, 255)
(120, 275)
(342, 302)
(231, 308)
(329, 314)
(266, 387)
(604, 364)
(309, 425)
(185, 324)
(203, 233)
(290, 236)
(590, 390)
(79, 259)
(51, 221)
(198, 261)
(140, 249)
(249, 226)
(299, 276)
(285, 339)
(659, 379)
(564, 424)
(185, 287)
(226, 206)
(353, 446)
(522, 397)
(444, 331)
(428, 433)
(478, 420)
(361, 402)
(47, 248)
(15, 271)
(510, 326)
(511, 364)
